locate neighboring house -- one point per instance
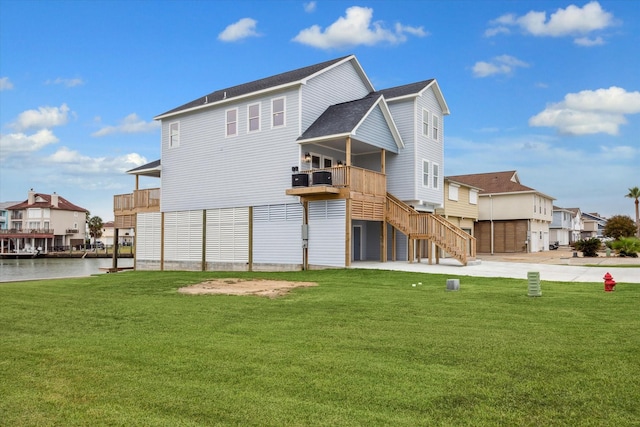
(566, 226)
(308, 168)
(44, 223)
(593, 225)
(512, 217)
(125, 238)
(460, 205)
(5, 214)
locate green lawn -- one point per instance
(364, 348)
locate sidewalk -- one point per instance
(551, 267)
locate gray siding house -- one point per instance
(311, 168)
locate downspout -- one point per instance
(491, 216)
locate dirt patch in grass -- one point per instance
(263, 288)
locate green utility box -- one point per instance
(534, 284)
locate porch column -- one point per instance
(115, 248)
(383, 160)
(348, 151)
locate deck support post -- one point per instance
(115, 248)
(383, 242)
(347, 243)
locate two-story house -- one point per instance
(593, 225)
(511, 217)
(309, 168)
(566, 226)
(43, 223)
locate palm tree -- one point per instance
(634, 193)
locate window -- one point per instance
(253, 112)
(425, 173)
(315, 161)
(232, 122)
(277, 111)
(436, 175)
(425, 122)
(453, 192)
(327, 161)
(174, 135)
(435, 120)
(473, 197)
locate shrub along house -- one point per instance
(308, 168)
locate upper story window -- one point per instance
(435, 175)
(277, 112)
(425, 122)
(232, 122)
(425, 173)
(435, 120)
(453, 192)
(253, 113)
(174, 134)
(473, 197)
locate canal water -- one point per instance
(51, 268)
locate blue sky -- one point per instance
(548, 88)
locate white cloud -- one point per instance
(590, 112)
(43, 117)
(130, 124)
(588, 42)
(573, 20)
(353, 29)
(65, 82)
(72, 161)
(16, 143)
(246, 27)
(5, 84)
(503, 64)
(310, 7)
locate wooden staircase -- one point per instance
(427, 226)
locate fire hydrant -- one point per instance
(609, 283)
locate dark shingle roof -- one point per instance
(404, 90)
(340, 118)
(63, 204)
(494, 182)
(149, 169)
(257, 85)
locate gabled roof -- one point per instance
(150, 169)
(412, 90)
(496, 183)
(63, 204)
(289, 78)
(5, 205)
(341, 120)
(453, 181)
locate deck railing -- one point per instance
(27, 231)
(356, 179)
(139, 201)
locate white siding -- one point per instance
(216, 171)
(148, 229)
(327, 221)
(430, 149)
(402, 167)
(183, 236)
(277, 237)
(340, 84)
(227, 235)
(375, 131)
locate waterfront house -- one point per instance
(43, 223)
(310, 168)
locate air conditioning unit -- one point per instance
(300, 180)
(322, 178)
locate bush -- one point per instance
(627, 246)
(589, 247)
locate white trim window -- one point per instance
(425, 173)
(435, 122)
(435, 175)
(253, 115)
(174, 134)
(453, 191)
(231, 122)
(277, 112)
(425, 123)
(473, 197)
